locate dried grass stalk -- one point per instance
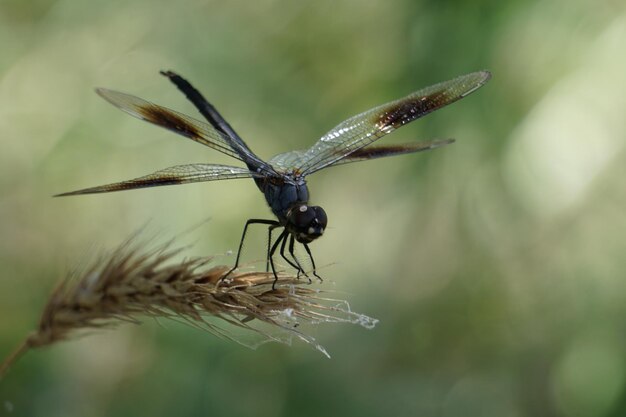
(129, 284)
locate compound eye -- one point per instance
(320, 215)
(303, 216)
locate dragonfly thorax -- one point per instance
(306, 223)
(289, 203)
(281, 195)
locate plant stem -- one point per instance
(15, 355)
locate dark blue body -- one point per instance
(283, 193)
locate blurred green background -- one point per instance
(496, 265)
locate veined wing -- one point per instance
(189, 127)
(380, 151)
(365, 128)
(285, 161)
(180, 174)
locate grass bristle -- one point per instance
(130, 284)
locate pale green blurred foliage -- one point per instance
(495, 265)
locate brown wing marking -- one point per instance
(174, 121)
(163, 117)
(399, 114)
(180, 174)
(381, 151)
(361, 130)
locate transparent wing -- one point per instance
(373, 152)
(189, 127)
(285, 162)
(365, 128)
(180, 174)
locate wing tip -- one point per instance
(79, 192)
(474, 81)
(108, 95)
(482, 77)
(442, 142)
(486, 75)
(100, 189)
(67, 194)
(102, 92)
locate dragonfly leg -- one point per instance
(296, 265)
(293, 255)
(282, 237)
(270, 229)
(243, 238)
(308, 250)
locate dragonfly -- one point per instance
(282, 179)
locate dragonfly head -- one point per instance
(306, 223)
